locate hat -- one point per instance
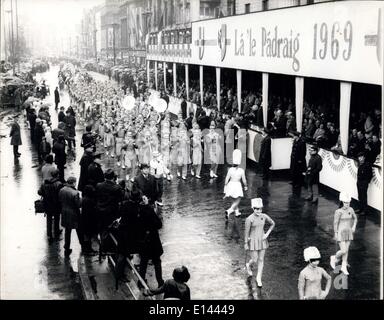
(311, 253)
(236, 155)
(344, 197)
(143, 166)
(257, 203)
(109, 174)
(361, 154)
(97, 154)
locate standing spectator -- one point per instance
(70, 132)
(48, 168)
(88, 218)
(60, 156)
(315, 165)
(108, 196)
(59, 131)
(128, 233)
(373, 148)
(85, 161)
(146, 183)
(39, 134)
(32, 122)
(88, 140)
(45, 148)
(95, 174)
(15, 135)
(49, 190)
(70, 203)
(364, 176)
(61, 115)
(265, 158)
(298, 162)
(151, 247)
(189, 121)
(57, 98)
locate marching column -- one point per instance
(218, 74)
(265, 98)
(165, 75)
(148, 73)
(174, 80)
(156, 80)
(299, 102)
(238, 77)
(187, 81)
(345, 103)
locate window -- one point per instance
(265, 5)
(247, 8)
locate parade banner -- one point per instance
(338, 40)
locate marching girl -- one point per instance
(129, 157)
(214, 149)
(174, 143)
(233, 188)
(109, 139)
(309, 285)
(183, 151)
(165, 143)
(146, 146)
(255, 239)
(197, 150)
(120, 134)
(344, 226)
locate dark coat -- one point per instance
(61, 116)
(89, 215)
(70, 202)
(59, 151)
(129, 236)
(265, 158)
(95, 174)
(38, 133)
(315, 165)
(108, 196)
(364, 173)
(57, 96)
(70, 125)
(49, 190)
(85, 161)
(147, 186)
(299, 150)
(149, 224)
(15, 134)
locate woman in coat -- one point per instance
(15, 135)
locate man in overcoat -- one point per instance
(49, 190)
(70, 202)
(298, 162)
(15, 135)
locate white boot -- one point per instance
(344, 268)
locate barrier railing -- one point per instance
(133, 276)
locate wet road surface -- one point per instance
(194, 233)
